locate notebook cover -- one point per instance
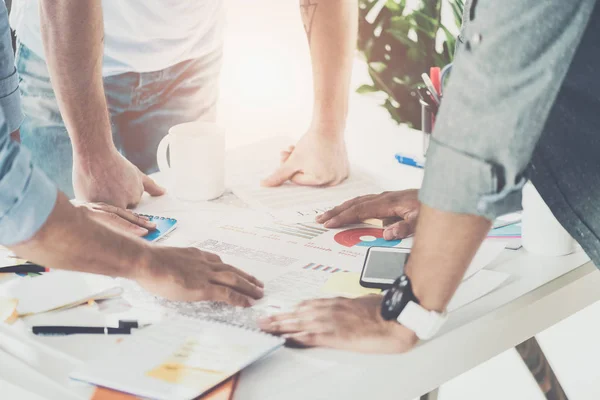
(164, 225)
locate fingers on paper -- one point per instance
(121, 219)
(232, 279)
(309, 325)
(368, 207)
(400, 230)
(326, 216)
(283, 174)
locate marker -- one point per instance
(24, 269)
(411, 162)
(78, 330)
(434, 74)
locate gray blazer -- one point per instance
(505, 78)
(523, 101)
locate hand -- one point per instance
(317, 160)
(341, 323)
(118, 218)
(404, 204)
(112, 180)
(189, 274)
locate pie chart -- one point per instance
(364, 237)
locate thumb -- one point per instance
(399, 230)
(279, 177)
(152, 187)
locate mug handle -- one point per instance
(161, 154)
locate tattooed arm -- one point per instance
(320, 156)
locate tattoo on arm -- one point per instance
(308, 8)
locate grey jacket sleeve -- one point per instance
(504, 81)
(10, 98)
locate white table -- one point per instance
(541, 292)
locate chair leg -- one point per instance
(533, 356)
(433, 395)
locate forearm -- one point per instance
(331, 27)
(73, 33)
(445, 243)
(70, 240)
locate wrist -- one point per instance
(426, 293)
(329, 121)
(143, 263)
(93, 146)
(91, 157)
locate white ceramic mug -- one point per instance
(197, 158)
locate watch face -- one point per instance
(396, 298)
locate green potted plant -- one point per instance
(399, 43)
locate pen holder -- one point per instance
(427, 121)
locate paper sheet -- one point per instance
(292, 202)
(58, 289)
(478, 285)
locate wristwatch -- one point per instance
(401, 304)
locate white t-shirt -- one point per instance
(141, 35)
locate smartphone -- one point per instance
(382, 266)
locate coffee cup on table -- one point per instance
(195, 167)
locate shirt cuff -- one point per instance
(10, 101)
(30, 211)
(462, 183)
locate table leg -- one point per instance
(433, 395)
(533, 356)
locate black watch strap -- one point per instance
(397, 297)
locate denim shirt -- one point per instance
(27, 196)
(512, 61)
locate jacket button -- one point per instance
(476, 39)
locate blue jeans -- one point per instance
(142, 107)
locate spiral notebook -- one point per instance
(179, 358)
(164, 226)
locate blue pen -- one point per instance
(411, 162)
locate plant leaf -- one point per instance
(364, 89)
(378, 67)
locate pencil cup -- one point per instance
(197, 160)
(426, 125)
(541, 233)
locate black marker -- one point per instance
(78, 330)
(23, 269)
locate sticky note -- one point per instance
(346, 284)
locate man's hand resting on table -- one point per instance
(189, 274)
(111, 179)
(341, 323)
(72, 239)
(317, 160)
(404, 204)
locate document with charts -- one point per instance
(259, 238)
